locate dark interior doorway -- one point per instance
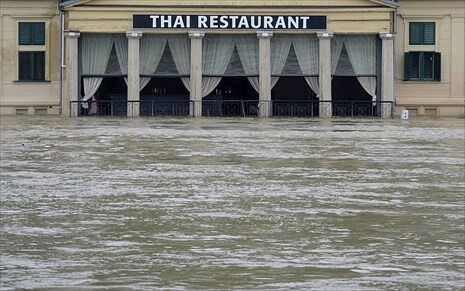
(349, 98)
(234, 88)
(292, 88)
(164, 96)
(291, 96)
(234, 96)
(111, 90)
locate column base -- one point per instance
(195, 109)
(264, 109)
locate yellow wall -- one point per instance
(344, 16)
(28, 95)
(445, 97)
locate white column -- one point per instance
(264, 72)
(387, 72)
(133, 72)
(326, 110)
(72, 74)
(196, 73)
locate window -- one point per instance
(31, 33)
(422, 66)
(31, 66)
(31, 61)
(422, 33)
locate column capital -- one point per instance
(72, 34)
(135, 34)
(196, 34)
(264, 34)
(386, 35)
(325, 34)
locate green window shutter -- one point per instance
(429, 33)
(31, 33)
(38, 35)
(407, 65)
(415, 33)
(437, 66)
(25, 33)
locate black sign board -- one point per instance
(262, 22)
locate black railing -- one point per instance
(240, 108)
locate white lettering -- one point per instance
(202, 22)
(243, 23)
(280, 23)
(268, 22)
(178, 22)
(154, 20)
(166, 21)
(304, 21)
(292, 22)
(214, 21)
(257, 24)
(224, 21)
(234, 19)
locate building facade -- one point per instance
(430, 55)
(29, 57)
(231, 57)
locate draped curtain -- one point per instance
(336, 48)
(121, 47)
(181, 51)
(96, 49)
(151, 50)
(216, 56)
(307, 51)
(361, 50)
(280, 46)
(247, 48)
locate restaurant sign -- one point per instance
(274, 22)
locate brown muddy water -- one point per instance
(270, 204)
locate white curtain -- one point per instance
(96, 49)
(369, 84)
(336, 48)
(314, 83)
(306, 48)
(209, 84)
(91, 86)
(216, 56)
(150, 53)
(362, 55)
(247, 48)
(121, 47)
(181, 50)
(280, 46)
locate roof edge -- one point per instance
(70, 3)
(390, 3)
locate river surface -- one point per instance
(207, 203)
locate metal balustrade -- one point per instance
(238, 108)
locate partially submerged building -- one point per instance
(230, 57)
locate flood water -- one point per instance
(232, 204)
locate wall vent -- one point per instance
(22, 111)
(431, 111)
(41, 111)
(412, 111)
